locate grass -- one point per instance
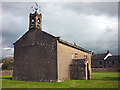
(99, 80)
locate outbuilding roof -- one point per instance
(115, 57)
(99, 56)
(59, 40)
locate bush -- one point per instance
(7, 66)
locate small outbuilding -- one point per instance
(79, 69)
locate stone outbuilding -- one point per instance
(99, 60)
(79, 69)
(42, 57)
(105, 60)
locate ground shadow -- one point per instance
(10, 78)
(112, 78)
(109, 79)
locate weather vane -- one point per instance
(37, 7)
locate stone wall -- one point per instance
(64, 59)
(108, 63)
(96, 63)
(35, 57)
(7, 72)
(78, 69)
(78, 72)
(105, 70)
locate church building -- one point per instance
(42, 57)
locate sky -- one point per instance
(91, 25)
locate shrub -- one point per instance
(7, 66)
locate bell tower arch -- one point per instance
(35, 20)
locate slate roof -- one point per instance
(99, 56)
(69, 44)
(115, 57)
(60, 40)
(74, 46)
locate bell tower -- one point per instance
(35, 20)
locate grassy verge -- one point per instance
(99, 80)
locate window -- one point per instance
(84, 55)
(38, 25)
(112, 62)
(32, 20)
(107, 62)
(76, 55)
(100, 62)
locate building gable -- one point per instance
(35, 51)
(102, 56)
(109, 54)
(99, 56)
(33, 37)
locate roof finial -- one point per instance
(37, 7)
(75, 44)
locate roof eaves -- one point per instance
(72, 45)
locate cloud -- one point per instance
(7, 52)
(96, 8)
(91, 25)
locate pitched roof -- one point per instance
(60, 40)
(99, 56)
(31, 31)
(72, 45)
(115, 57)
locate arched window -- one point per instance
(38, 20)
(112, 62)
(32, 20)
(100, 62)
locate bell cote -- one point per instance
(35, 21)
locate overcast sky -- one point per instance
(91, 25)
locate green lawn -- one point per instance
(99, 80)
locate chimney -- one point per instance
(108, 51)
(93, 53)
(75, 44)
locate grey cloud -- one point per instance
(65, 20)
(97, 8)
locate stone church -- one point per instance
(42, 57)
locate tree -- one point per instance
(7, 66)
